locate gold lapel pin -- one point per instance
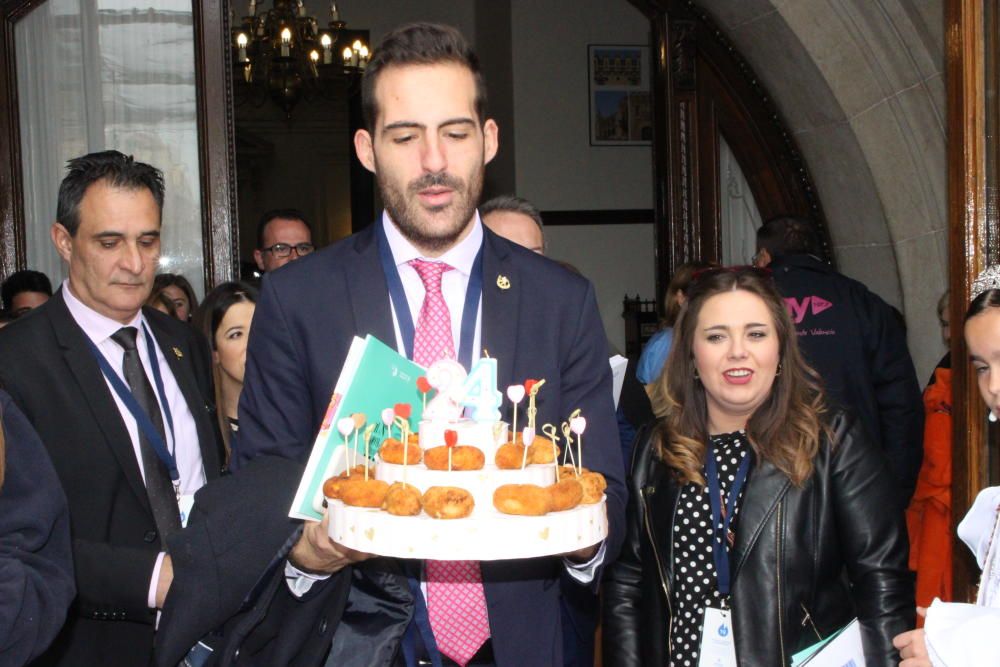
(503, 282)
(178, 353)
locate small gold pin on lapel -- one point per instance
(178, 353)
(503, 282)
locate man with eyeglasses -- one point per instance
(283, 235)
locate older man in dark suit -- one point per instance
(121, 397)
(427, 139)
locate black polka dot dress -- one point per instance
(695, 585)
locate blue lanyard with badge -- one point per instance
(145, 424)
(718, 642)
(398, 297)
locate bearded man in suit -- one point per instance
(427, 139)
(121, 397)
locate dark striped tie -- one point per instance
(159, 488)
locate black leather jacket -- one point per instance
(806, 560)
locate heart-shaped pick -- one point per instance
(515, 393)
(345, 426)
(359, 420)
(578, 424)
(387, 416)
(423, 384)
(527, 436)
(528, 384)
(450, 438)
(402, 410)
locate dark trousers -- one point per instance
(578, 608)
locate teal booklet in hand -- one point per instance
(374, 377)
(841, 649)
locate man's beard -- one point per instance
(439, 234)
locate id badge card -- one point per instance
(718, 643)
(185, 502)
(197, 656)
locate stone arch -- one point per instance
(860, 83)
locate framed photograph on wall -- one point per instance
(620, 105)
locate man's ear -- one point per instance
(491, 140)
(258, 257)
(365, 150)
(764, 258)
(62, 240)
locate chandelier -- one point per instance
(284, 55)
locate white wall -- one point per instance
(618, 259)
(557, 168)
(861, 85)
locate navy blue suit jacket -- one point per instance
(36, 564)
(50, 373)
(545, 324)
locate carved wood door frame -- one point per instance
(704, 89)
(217, 161)
(971, 73)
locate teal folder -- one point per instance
(374, 377)
(843, 648)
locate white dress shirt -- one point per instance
(454, 283)
(183, 441)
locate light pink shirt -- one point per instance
(183, 442)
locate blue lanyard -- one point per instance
(141, 418)
(398, 296)
(420, 624)
(720, 553)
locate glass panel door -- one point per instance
(739, 216)
(110, 74)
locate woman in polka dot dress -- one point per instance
(759, 522)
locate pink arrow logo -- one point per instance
(819, 305)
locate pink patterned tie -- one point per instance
(432, 338)
(456, 603)
(456, 606)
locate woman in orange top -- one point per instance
(928, 517)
